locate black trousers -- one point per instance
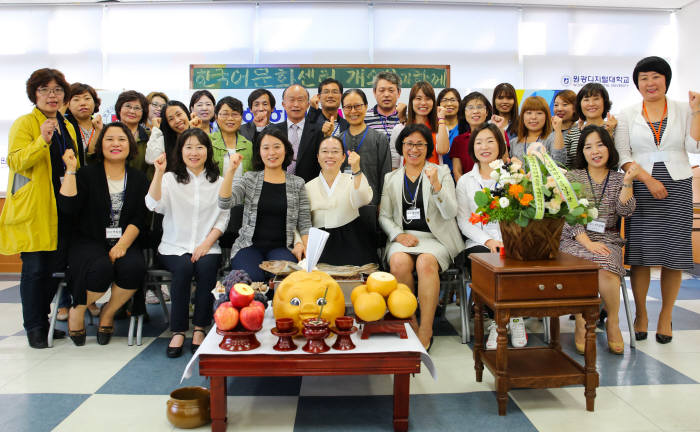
(183, 269)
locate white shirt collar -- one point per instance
(329, 190)
(193, 175)
(300, 124)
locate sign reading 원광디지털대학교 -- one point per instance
(282, 76)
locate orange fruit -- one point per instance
(369, 306)
(402, 303)
(404, 287)
(381, 282)
(360, 289)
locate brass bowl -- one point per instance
(188, 407)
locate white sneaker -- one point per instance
(151, 298)
(491, 342)
(518, 336)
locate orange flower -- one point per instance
(515, 190)
(525, 200)
(485, 218)
(494, 203)
(474, 219)
(584, 216)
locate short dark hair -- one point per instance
(534, 103)
(461, 117)
(231, 102)
(327, 81)
(42, 77)
(496, 133)
(356, 91)
(169, 135)
(130, 96)
(390, 76)
(507, 90)
(444, 92)
(570, 97)
(133, 148)
(420, 128)
(196, 96)
(593, 89)
(652, 64)
(256, 161)
(80, 88)
(260, 92)
(332, 138)
(179, 167)
(429, 91)
(613, 156)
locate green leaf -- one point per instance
(481, 199)
(522, 221)
(577, 211)
(571, 220)
(530, 212)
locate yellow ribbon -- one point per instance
(537, 185)
(562, 182)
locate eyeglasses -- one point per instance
(58, 91)
(448, 100)
(417, 146)
(475, 108)
(231, 115)
(134, 108)
(331, 152)
(327, 92)
(355, 107)
(157, 105)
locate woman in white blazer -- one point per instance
(417, 213)
(657, 134)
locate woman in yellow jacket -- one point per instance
(29, 222)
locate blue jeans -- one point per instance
(249, 259)
(37, 287)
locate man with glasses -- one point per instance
(261, 104)
(327, 118)
(304, 136)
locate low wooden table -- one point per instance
(547, 288)
(219, 367)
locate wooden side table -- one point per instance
(566, 285)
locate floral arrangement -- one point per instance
(514, 197)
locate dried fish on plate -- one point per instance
(286, 267)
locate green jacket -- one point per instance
(220, 151)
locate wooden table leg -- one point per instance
(478, 338)
(591, 317)
(218, 404)
(554, 333)
(502, 361)
(401, 395)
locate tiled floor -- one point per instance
(122, 388)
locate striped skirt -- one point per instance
(659, 231)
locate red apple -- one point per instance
(241, 295)
(259, 305)
(252, 317)
(226, 316)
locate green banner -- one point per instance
(537, 185)
(309, 76)
(560, 179)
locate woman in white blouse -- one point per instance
(192, 223)
(335, 198)
(486, 145)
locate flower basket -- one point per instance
(539, 240)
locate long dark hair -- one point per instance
(429, 92)
(461, 116)
(179, 167)
(613, 155)
(169, 135)
(507, 90)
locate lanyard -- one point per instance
(657, 133)
(83, 133)
(357, 149)
(413, 196)
(386, 131)
(602, 194)
(112, 213)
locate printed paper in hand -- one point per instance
(314, 247)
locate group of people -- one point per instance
(91, 197)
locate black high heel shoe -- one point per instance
(173, 352)
(77, 336)
(104, 334)
(193, 346)
(664, 339)
(639, 335)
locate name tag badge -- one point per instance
(113, 233)
(596, 226)
(413, 214)
(659, 156)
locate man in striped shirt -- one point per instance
(385, 114)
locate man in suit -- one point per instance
(304, 136)
(261, 104)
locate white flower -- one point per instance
(583, 202)
(496, 164)
(593, 212)
(536, 147)
(551, 184)
(518, 177)
(515, 165)
(553, 206)
(503, 202)
(507, 179)
(495, 175)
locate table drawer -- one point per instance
(556, 285)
